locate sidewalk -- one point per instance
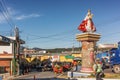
(57, 78)
(79, 76)
(94, 79)
(12, 77)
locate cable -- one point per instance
(5, 33)
(6, 9)
(57, 39)
(6, 14)
(112, 33)
(108, 22)
(50, 36)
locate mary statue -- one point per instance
(87, 24)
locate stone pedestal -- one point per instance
(88, 41)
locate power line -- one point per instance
(62, 39)
(105, 38)
(59, 34)
(4, 33)
(10, 18)
(111, 33)
(51, 36)
(51, 39)
(108, 22)
(56, 38)
(6, 14)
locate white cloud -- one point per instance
(6, 15)
(12, 11)
(15, 15)
(2, 19)
(21, 17)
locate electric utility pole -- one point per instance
(17, 49)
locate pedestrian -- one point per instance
(103, 64)
(22, 68)
(97, 67)
(74, 65)
(50, 63)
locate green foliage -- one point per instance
(14, 67)
(60, 50)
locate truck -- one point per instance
(114, 56)
(115, 59)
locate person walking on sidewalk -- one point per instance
(74, 63)
(97, 67)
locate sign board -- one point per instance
(55, 58)
(107, 46)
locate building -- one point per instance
(8, 51)
(29, 51)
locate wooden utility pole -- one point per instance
(17, 49)
(14, 59)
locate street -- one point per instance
(45, 76)
(38, 76)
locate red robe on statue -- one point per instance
(87, 24)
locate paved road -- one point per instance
(46, 76)
(38, 76)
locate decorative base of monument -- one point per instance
(87, 69)
(88, 37)
(88, 41)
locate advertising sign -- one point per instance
(107, 46)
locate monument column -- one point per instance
(88, 39)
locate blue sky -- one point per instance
(54, 23)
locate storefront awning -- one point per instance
(69, 57)
(77, 58)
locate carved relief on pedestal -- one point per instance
(87, 53)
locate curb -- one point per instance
(94, 79)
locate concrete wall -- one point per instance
(7, 49)
(6, 64)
